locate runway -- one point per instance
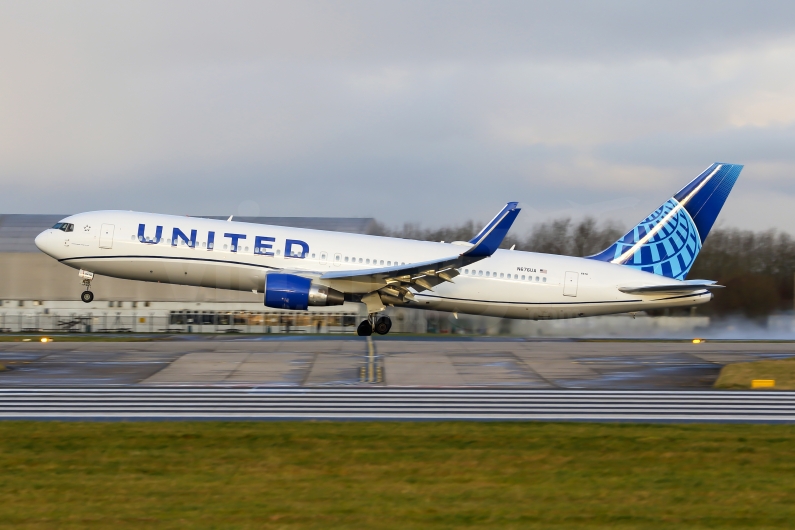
(143, 403)
(344, 362)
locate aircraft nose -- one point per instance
(44, 242)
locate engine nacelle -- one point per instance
(289, 291)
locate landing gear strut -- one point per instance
(86, 296)
(382, 326)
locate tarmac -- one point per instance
(326, 362)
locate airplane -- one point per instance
(297, 268)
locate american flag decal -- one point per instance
(542, 271)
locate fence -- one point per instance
(176, 322)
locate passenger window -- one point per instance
(545, 280)
(480, 273)
(337, 257)
(523, 276)
(346, 259)
(368, 261)
(132, 238)
(389, 263)
(501, 275)
(225, 247)
(204, 245)
(360, 260)
(382, 262)
(246, 249)
(313, 255)
(279, 252)
(536, 278)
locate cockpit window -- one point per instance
(64, 227)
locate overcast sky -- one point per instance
(432, 112)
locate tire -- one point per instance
(87, 297)
(383, 325)
(364, 329)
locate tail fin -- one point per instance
(668, 241)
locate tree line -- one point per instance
(757, 268)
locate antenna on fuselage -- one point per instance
(230, 217)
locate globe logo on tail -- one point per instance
(671, 251)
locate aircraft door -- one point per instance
(106, 236)
(337, 260)
(570, 283)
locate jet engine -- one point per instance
(290, 291)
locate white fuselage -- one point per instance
(511, 284)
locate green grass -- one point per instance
(395, 475)
(740, 375)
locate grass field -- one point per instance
(740, 375)
(395, 475)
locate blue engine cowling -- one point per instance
(289, 291)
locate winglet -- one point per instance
(489, 239)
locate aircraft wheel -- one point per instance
(87, 296)
(383, 325)
(365, 329)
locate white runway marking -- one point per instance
(394, 404)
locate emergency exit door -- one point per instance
(106, 236)
(570, 284)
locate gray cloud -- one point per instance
(413, 111)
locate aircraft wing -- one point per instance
(425, 275)
(678, 287)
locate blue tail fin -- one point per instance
(668, 241)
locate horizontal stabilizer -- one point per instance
(679, 287)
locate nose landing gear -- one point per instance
(382, 326)
(86, 296)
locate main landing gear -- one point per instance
(382, 326)
(86, 296)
